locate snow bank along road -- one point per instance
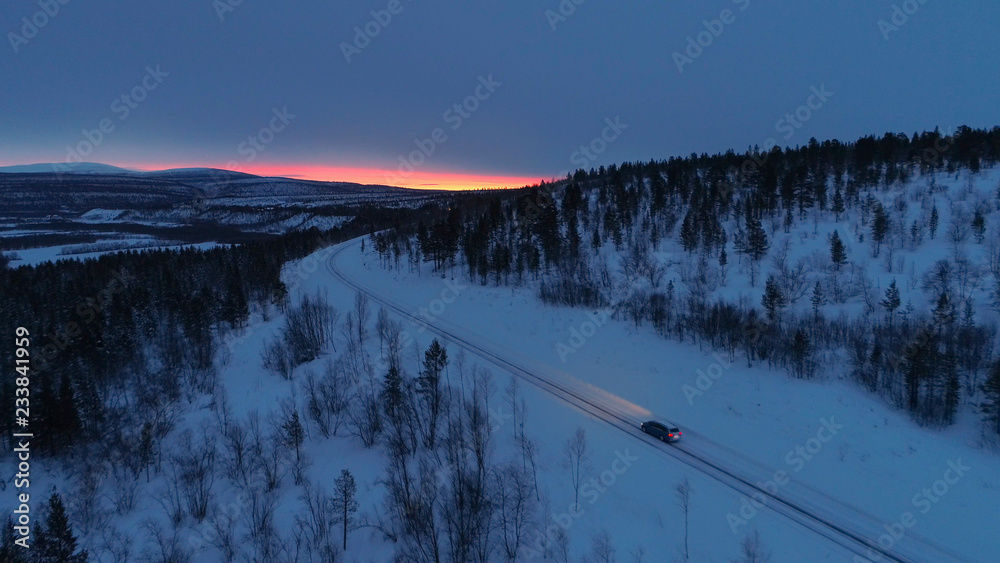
(847, 527)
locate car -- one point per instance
(661, 431)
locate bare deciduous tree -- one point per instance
(366, 416)
(258, 516)
(752, 549)
(316, 523)
(601, 548)
(515, 508)
(575, 456)
(222, 534)
(684, 500)
(362, 316)
(327, 398)
(196, 468)
(166, 545)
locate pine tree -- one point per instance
(933, 224)
(67, 417)
(345, 502)
(549, 233)
(146, 447)
(773, 300)
(991, 406)
(949, 370)
(294, 433)
(395, 408)
(979, 226)
(757, 245)
(880, 227)
(919, 363)
(875, 367)
(235, 308)
(838, 254)
(54, 541)
(838, 204)
(723, 260)
(47, 422)
(907, 311)
(891, 301)
(11, 552)
(573, 241)
(7, 424)
(429, 388)
(91, 407)
(689, 234)
(944, 312)
(801, 352)
(817, 299)
(392, 393)
(969, 315)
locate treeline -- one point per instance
(593, 240)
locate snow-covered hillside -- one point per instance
(875, 465)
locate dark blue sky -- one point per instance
(551, 90)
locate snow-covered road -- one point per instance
(849, 528)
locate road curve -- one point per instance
(848, 535)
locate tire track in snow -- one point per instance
(842, 534)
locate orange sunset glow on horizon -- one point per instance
(418, 179)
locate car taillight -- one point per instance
(670, 435)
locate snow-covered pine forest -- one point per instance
(882, 255)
